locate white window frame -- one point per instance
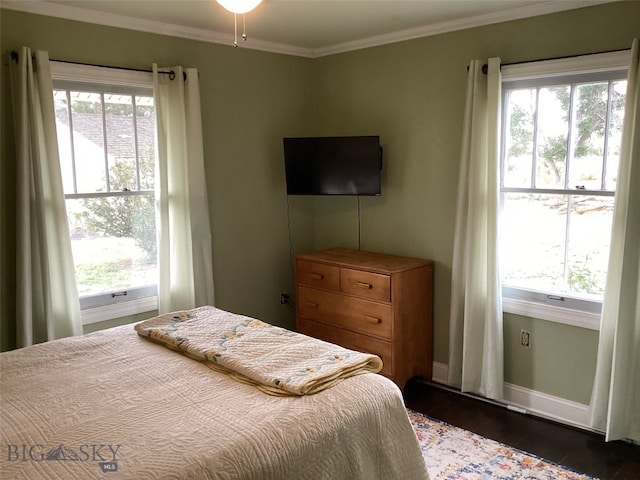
(95, 309)
(543, 305)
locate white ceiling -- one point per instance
(309, 28)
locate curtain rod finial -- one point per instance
(485, 68)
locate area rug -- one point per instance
(453, 453)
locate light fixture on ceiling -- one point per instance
(239, 7)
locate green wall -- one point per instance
(410, 93)
(561, 360)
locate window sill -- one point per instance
(118, 310)
(566, 316)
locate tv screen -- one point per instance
(333, 165)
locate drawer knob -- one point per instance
(317, 276)
(375, 320)
(364, 285)
(311, 304)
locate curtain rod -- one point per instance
(171, 73)
(485, 66)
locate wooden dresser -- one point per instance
(370, 302)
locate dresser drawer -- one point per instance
(347, 312)
(372, 286)
(349, 340)
(318, 275)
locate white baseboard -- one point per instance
(532, 402)
(440, 373)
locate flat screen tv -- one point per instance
(333, 165)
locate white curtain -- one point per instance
(47, 305)
(184, 233)
(615, 402)
(475, 333)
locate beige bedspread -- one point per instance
(275, 360)
(112, 405)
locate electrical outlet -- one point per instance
(284, 298)
(525, 338)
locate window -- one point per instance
(561, 144)
(106, 138)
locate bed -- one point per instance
(113, 404)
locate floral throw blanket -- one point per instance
(275, 360)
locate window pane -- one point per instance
(520, 117)
(535, 231)
(88, 141)
(146, 141)
(588, 134)
(121, 145)
(61, 106)
(533, 240)
(618, 95)
(553, 114)
(588, 248)
(114, 242)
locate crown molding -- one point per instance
(460, 24)
(40, 7)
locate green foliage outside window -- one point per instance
(130, 216)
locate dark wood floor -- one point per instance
(580, 450)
